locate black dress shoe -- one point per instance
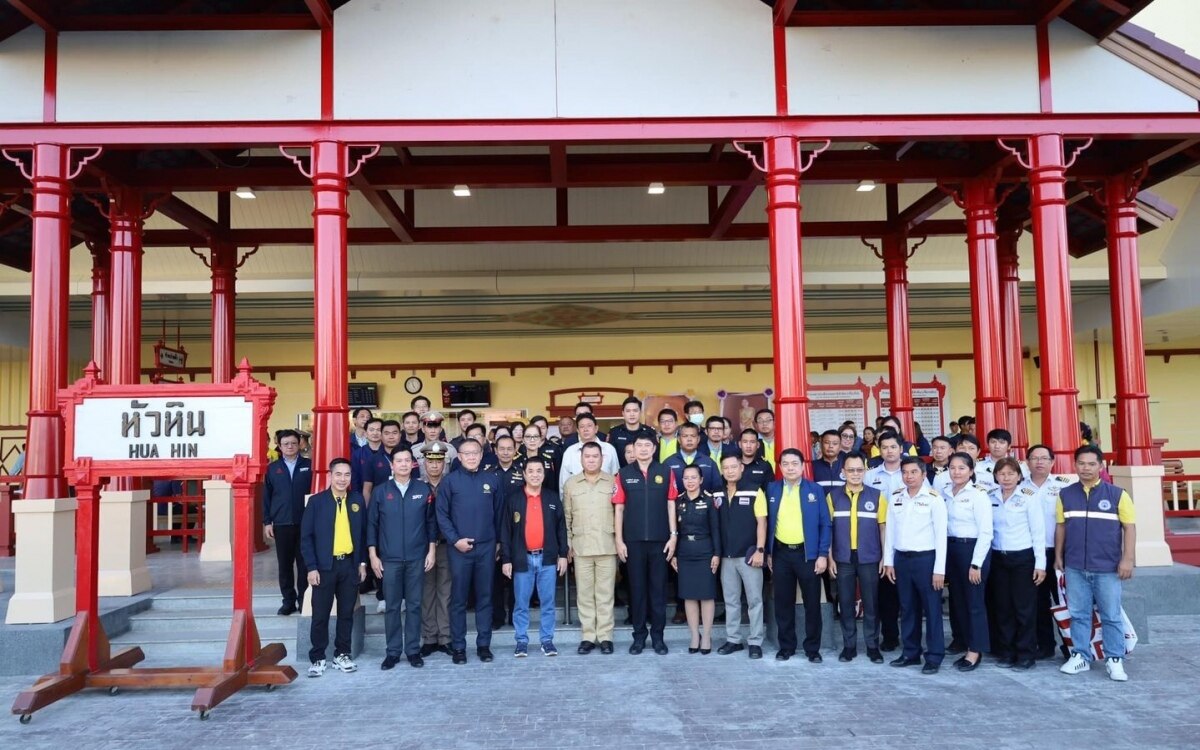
(929, 668)
(660, 648)
(429, 649)
(445, 649)
(847, 655)
(416, 661)
(814, 658)
(783, 655)
(1024, 665)
(956, 648)
(693, 650)
(874, 655)
(1006, 662)
(459, 657)
(485, 654)
(902, 661)
(756, 652)
(966, 666)
(637, 647)
(960, 661)
(730, 648)
(389, 662)
(606, 647)
(705, 651)
(585, 647)
(287, 609)
(889, 645)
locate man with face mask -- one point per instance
(693, 411)
(572, 464)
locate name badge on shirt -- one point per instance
(744, 501)
(303, 468)
(922, 507)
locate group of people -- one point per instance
(440, 523)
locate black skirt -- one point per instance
(696, 579)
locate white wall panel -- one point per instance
(664, 58)
(189, 75)
(1089, 78)
(418, 59)
(21, 73)
(911, 70)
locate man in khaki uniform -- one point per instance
(435, 595)
(587, 502)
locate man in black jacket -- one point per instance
(285, 486)
(401, 541)
(331, 540)
(533, 549)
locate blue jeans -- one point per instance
(543, 576)
(1084, 589)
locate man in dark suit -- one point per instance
(332, 540)
(285, 486)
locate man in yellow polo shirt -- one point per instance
(859, 514)
(332, 542)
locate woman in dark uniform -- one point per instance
(697, 556)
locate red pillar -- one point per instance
(787, 293)
(48, 321)
(330, 296)
(1133, 439)
(979, 203)
(126, 215)
(1013, 358)
(1056, 345)
(895, 271)
(101, 329)
(224, 314)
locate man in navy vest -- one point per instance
(1094, 545)
(798, 536)
(859, 514)
(285, 486)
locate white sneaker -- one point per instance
(317, 668)
(381, 607)
(1075, 664)
(1116, 669)
(344, 663)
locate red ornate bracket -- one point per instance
(239, 264)
(27, 170)
(1068, 162)
(804, 165)
(372, 151)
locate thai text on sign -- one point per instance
(204, 427)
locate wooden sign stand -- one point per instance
(87, 660)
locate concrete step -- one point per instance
(200, 599)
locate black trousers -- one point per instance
(968, 601)
(1014, 599)
(469, 570)
(789, 568)
(854, 577)
(293, 574)
(341, 585)
(1047, 597)
(503, 598)
(918, 599)
(889, 611)
(647, 567)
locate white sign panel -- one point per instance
(198, 427)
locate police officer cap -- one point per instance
(436, 451)
(432, 416)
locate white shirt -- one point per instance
(1047, 496)
(942, 483)
(572, 462)
(969, 516)
(916, 524)
(1017, 521)
(985, 469)
(883, 480)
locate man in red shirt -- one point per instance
(533, 550)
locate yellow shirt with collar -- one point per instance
(881, 514)
(343, 543)
(789, 526)
(1125, 512)
(667, 448)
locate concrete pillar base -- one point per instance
(44, 589)
(123, 570)
(218, 522)
(1144, 485)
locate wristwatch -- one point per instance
(974, 567)
(759, 549)
(674, 533)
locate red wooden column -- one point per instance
(979, 202)
(101, 329)
(895, 257)
(224, 314)
(50, 174)
(1133, 439)
(330, 171)
(1013, 358)
(1047, 165)
(126, 216)
(784, 165)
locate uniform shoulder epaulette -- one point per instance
(1062, 478)
(1027, 491)
(897, 492)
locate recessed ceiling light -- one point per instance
(865, 186)
(462, 191)
(656, 188)
(245, 193)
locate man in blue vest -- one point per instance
(285, 486)
(798, 536)
(859, 514)
(1094, 546)
(688, 454)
